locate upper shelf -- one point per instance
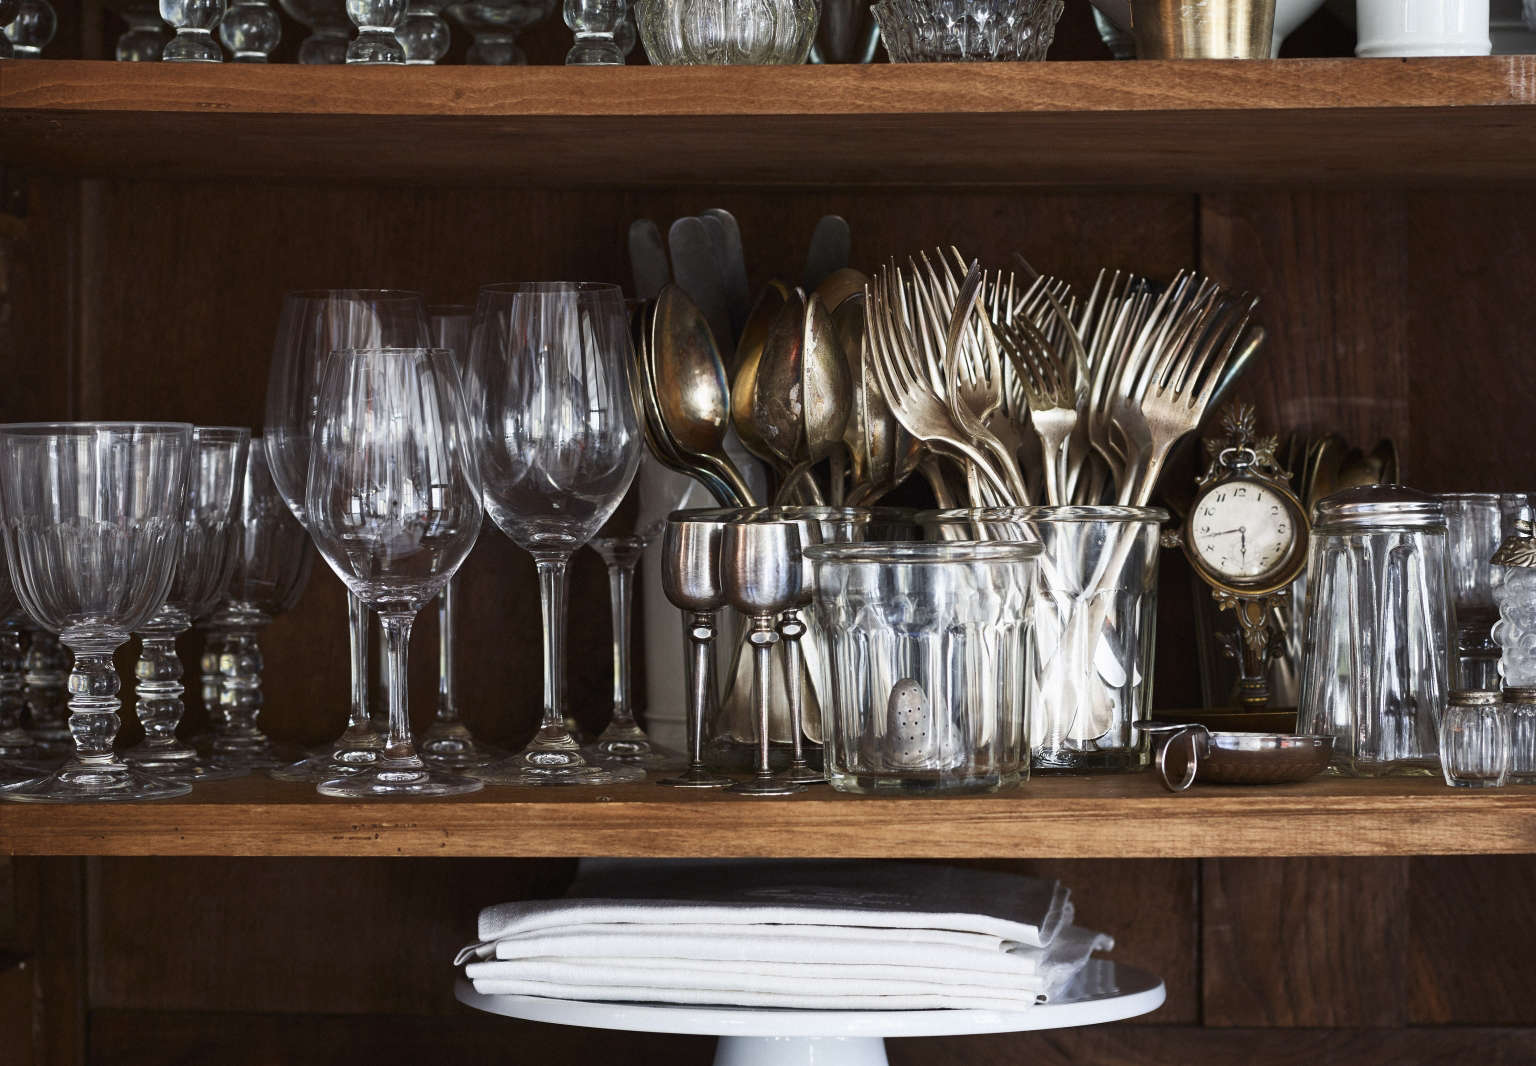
(1071, 817)
(1186, 124)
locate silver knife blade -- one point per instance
(647, 258)
(694, 269)
(738, 292)
(831, 244)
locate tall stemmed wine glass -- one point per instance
(447, 743)
(215, 474)
(313, 325)
(394, 507)
(272, 562)
(621, 542)
(93, 515)
(558, 445)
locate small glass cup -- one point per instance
(927, 651)
(1521, 705)
(1476, 523)
(1475, 739)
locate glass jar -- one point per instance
(1476, 524)
(727, 32)
(927, 652)
(1093, 626)
(1521, 705)
(1376, 662)
(1474, 739)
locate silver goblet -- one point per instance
(690, 575)
(791, 629)
(760, 569)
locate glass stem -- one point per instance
(553, 595)
(240, 693)
(13, 738)
(357, 623)
(398, 746)
(447, 703)
(159, 686)
(93, 703)
(621, 589)
(212, 679)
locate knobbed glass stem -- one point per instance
(211, 678)
(193, 21)
(145, 38)
(596, 24)
(376, 22)
(250, 30)
(46, 673)
(14, 740)
(424, 34)
(159, 687)
(30, 30)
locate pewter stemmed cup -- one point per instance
(216, 473)
(394, 506)
(558, 445)
(760, 568)
(93, 515)
(311, 326)
(272, 562)
(690, 575)
(791, 628)
(448, 743)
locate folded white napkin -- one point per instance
(808, 935)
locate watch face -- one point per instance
(1243, 530)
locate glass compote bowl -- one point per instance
(208, 543)
(494, 25)
(558, 444)
(311, 326)
(93, 525)
(272, 562)
(394, 507)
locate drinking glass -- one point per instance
(621, 542)
(448, 742)
(194, 22)
(558, 446)
(272, 562)
(93, 515)
(312, 325)
(216, 472)
(1476, 524)
(394, 507)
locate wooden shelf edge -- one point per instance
(1061, 818)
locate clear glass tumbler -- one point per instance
(927, 651)
(1521, 705)
(1476, 524)
(1474, 739)
(1094, 626)
(1380, 627)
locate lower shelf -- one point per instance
(1062, 817)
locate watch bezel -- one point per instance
(1283, 573)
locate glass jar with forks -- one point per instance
(1093, 626)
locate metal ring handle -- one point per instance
(1191, 766)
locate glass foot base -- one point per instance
(191, 770)
(537, 768)
(449, 746)
(803, 775)
(15, 773)
(647, 756)
(766, 786)
(398, 780)
(327, 764)
(697, 777)
(52, 745)
(106, 782)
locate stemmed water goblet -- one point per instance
(394, 507)
(448, 743)
(690, 576)
(93, 516)
(272, 562)
(558, 445)
(760, 568)
(215, 474)
(621, 542)
(311, 326)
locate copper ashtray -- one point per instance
(1191, 752)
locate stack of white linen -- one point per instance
(806, 935)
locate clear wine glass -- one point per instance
(272, 563)
(30, 28)
(250, 29)
(394, 507)
(208, 542)
(424, 34)
(376, 22)
(193, 21)
(448, 742)
(558, 445)
(93, 526)
(311, 326)
(621, 543)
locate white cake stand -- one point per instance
(1104, 992)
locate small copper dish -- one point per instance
(1235, 758)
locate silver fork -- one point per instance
(1052, 398)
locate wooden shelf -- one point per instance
(1127, 817)
(1195, 124)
